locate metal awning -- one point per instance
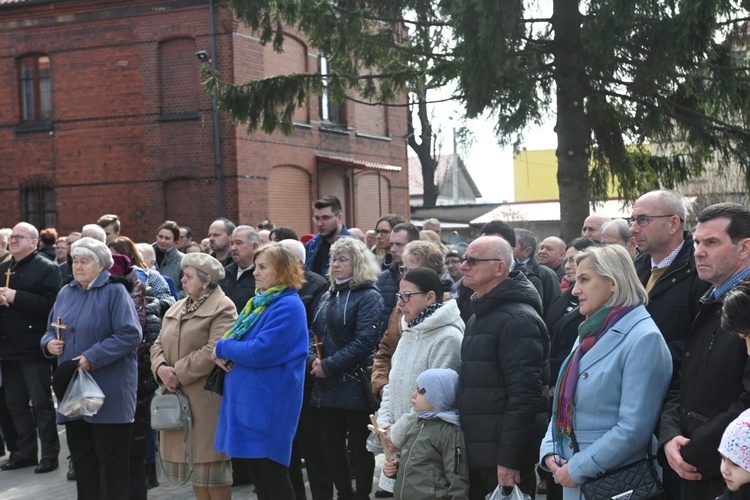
(347, 161)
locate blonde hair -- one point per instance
(614, 263)
(365, 268)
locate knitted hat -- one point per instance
(93, 248)
(204, 262)
(439, 386)
(735, 443)
(121, 266)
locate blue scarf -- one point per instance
(252, 311)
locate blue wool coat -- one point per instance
(622, 382)
(103, 325)
(263, 392)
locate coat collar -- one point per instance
(616, 334)
(208, 308)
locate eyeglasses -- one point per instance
(472, 261)
(16, 237)
(341, 260)
(324, 218)
(382, 232)
(644, 220)
(406, 296)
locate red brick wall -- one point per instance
(112, 150)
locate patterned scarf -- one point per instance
(590, 331)
(426, 313)
(252, 311)
(191, 305)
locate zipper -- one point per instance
(406, 463)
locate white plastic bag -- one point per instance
(83, 397)
(515, 494)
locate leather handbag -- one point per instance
(170, 411)
(636, 481)
(215, 381)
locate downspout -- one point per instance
(215, 103)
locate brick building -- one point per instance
(103, 112)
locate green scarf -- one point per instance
(252, 311)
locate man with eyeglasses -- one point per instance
(401, 235)
(714, 379)
(666, 267)
(328, 218)
(31, 286)
(502, 390)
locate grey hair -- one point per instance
(5, 233)
(364, 266)
(672, 203)
(296, 248)
(252, 235)
(526, 238)
(204, 278)
(94, 231)
(623, 228)
(614, 263)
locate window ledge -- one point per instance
(34, 127)
(373, 136)
(178, 116)
(334, 128)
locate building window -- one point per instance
(38, 203)
(330, 110)
(36, 96)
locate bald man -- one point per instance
(592, 226)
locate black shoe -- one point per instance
(18, 463)
(383, 494)
(151, 476)
(71, 475)
(46, 465)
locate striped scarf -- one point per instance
(589, 332)
(252, 311)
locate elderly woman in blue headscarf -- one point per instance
(264, 355)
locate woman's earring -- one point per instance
(204, 287)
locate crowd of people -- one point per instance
(477, 366)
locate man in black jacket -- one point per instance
(502, 394)
(714, 383)
(239, 283)
(31, 286)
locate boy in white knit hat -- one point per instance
(735, 458)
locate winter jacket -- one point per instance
(563, 332)
(102, 325)
(742, 494)
(313, 246)
(613, 427)
(550, 283)
(434, 343)
(355, 315)
(263, 392)
(239, 290)
(170, 265)
(36, 280)
(714, 385)
(186, 343)
(502, 386)
(388, 282)
(381, 363)
(674, 300)
(433, 463)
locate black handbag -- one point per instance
(215, 381)
(636, 481)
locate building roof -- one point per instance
(442, 175)
(348, 161)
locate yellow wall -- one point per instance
(535, 176)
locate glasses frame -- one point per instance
(644, 220)
(406, 296)
(382, 232)
(472, 261)
(341, 260)
(16, 237)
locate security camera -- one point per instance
(202, 55)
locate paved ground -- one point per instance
(24, 484)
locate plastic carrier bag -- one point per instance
(506, 493)
(82, 398)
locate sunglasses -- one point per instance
(472, 261)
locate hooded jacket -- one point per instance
(502, 388)
(434, 343)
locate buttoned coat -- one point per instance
(622, 382)
(186, 344)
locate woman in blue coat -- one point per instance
(611, 387)
(348, 322)
(264, 355)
